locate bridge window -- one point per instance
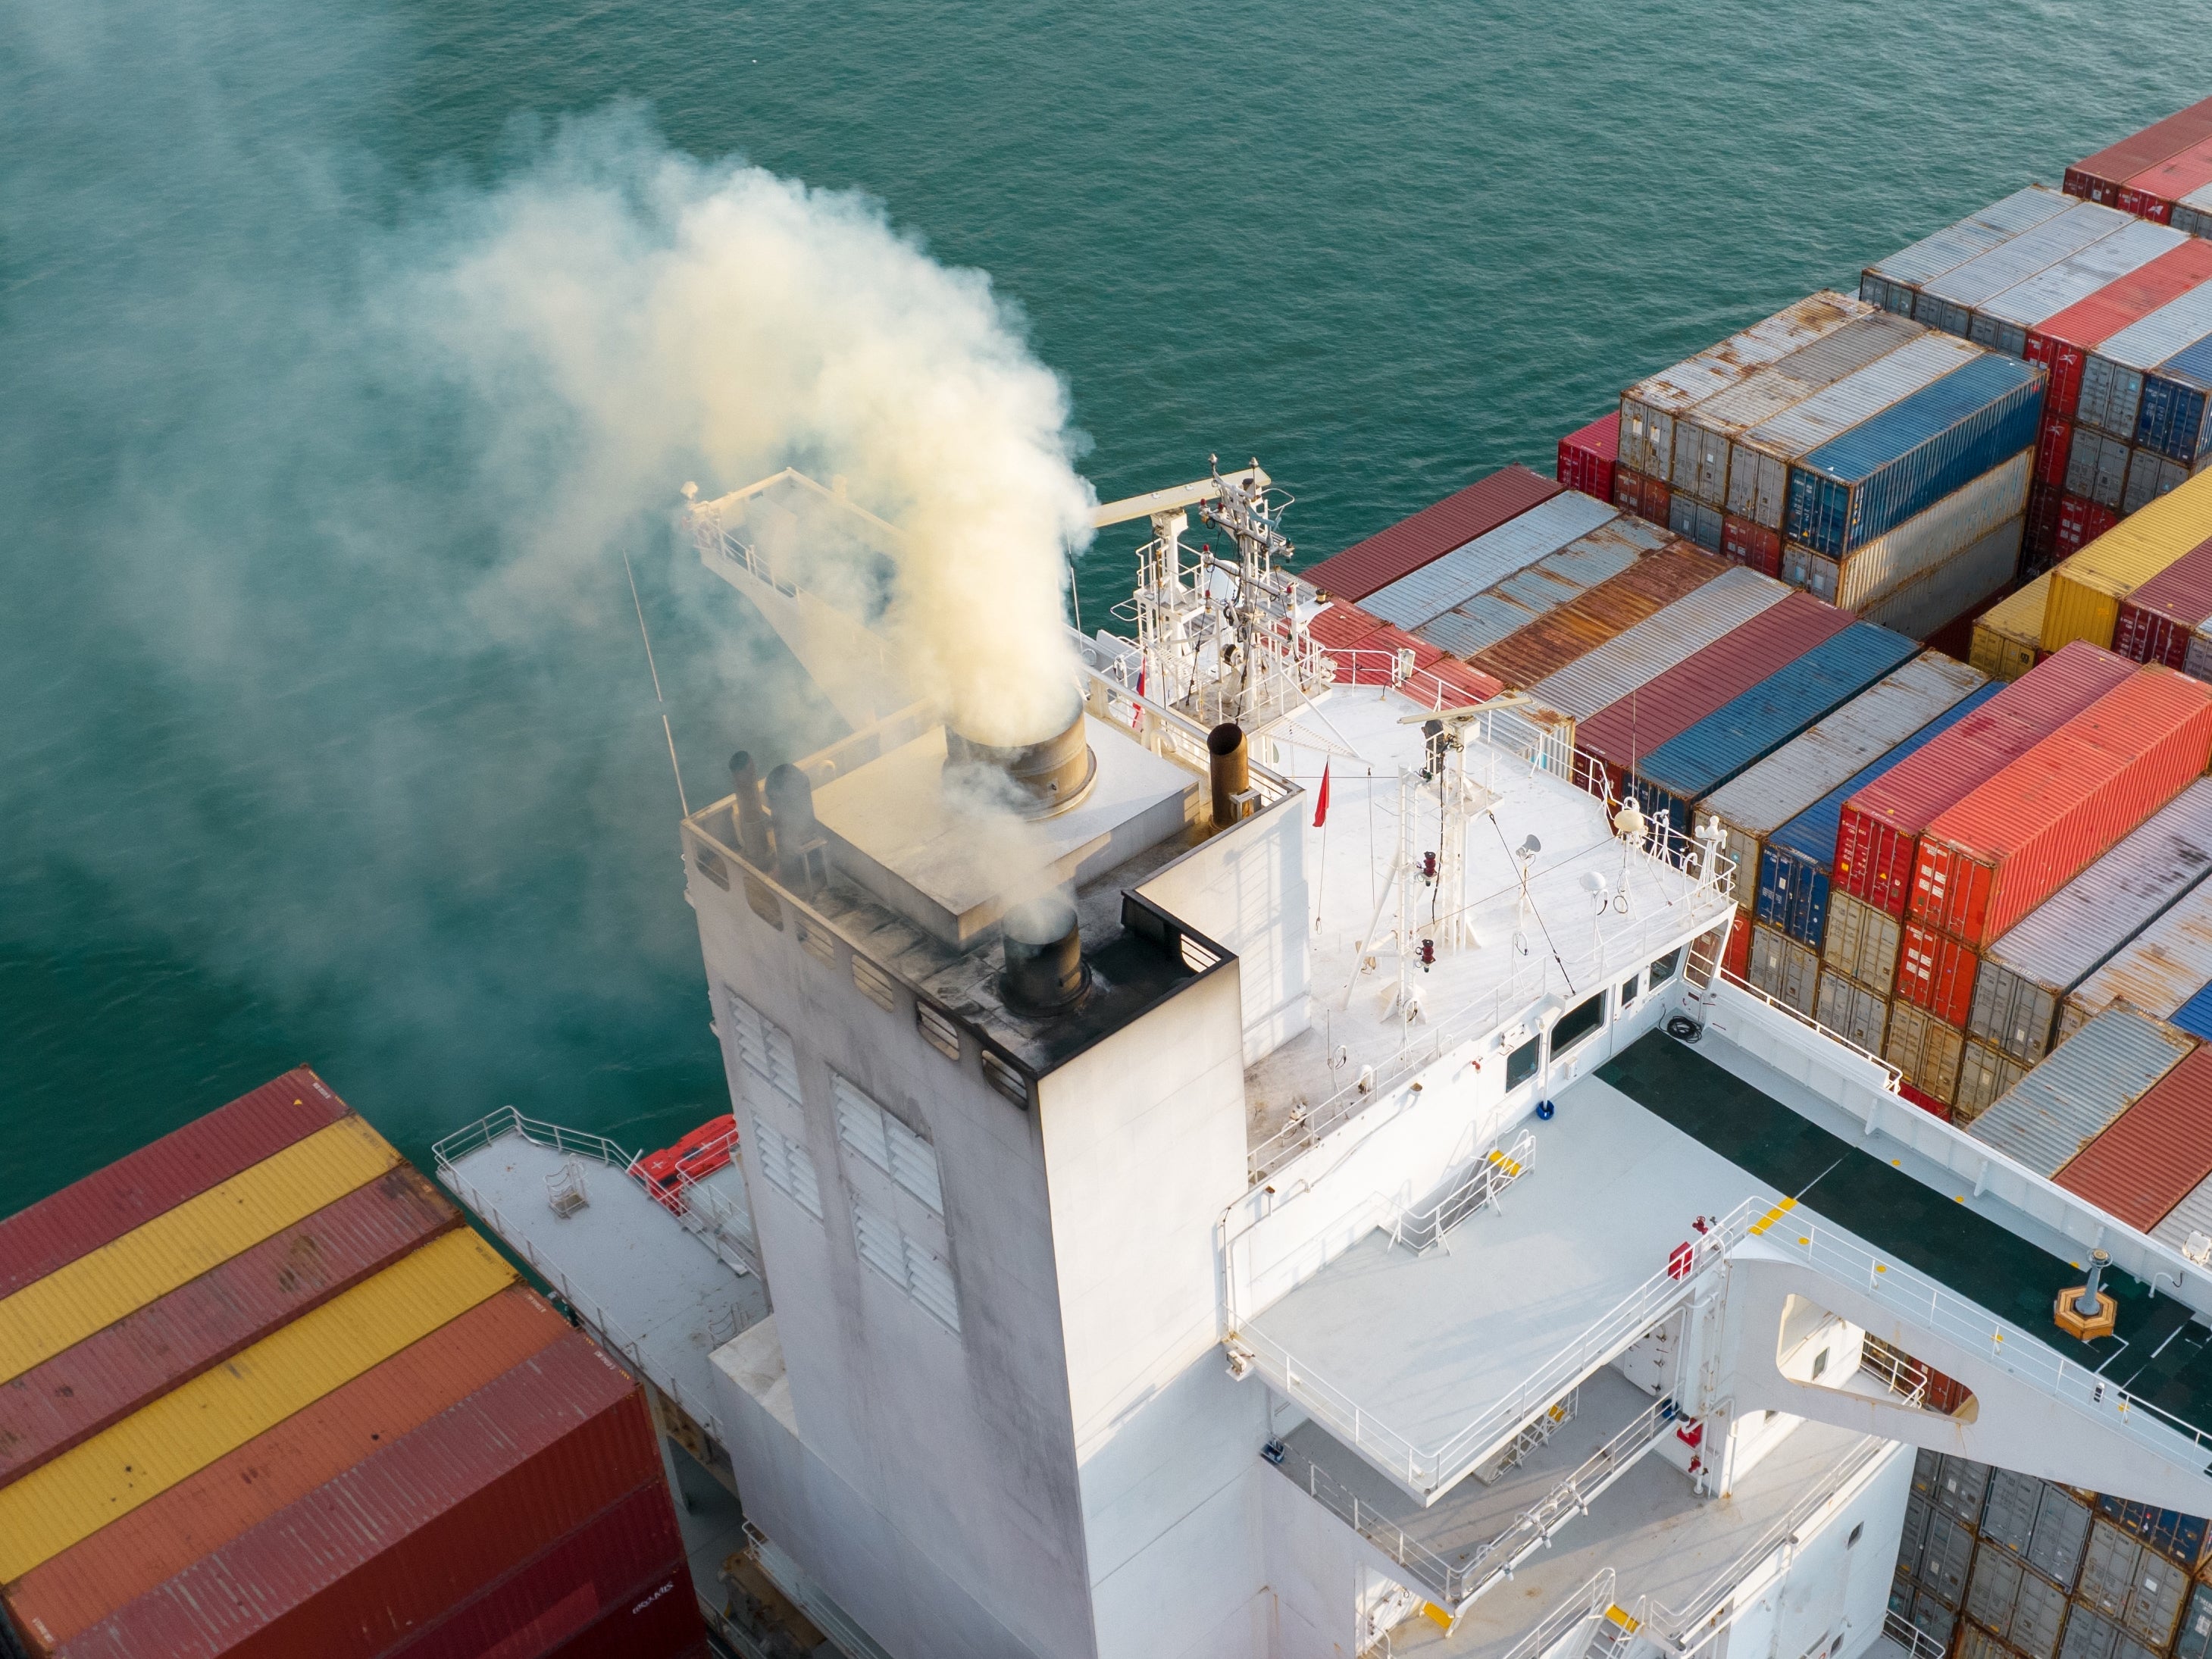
(1521, 1064)
(1664, 968)
(1578, 1022)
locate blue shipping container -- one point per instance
(1793, 870)
(2177, 414)
(1739, 733)
(2195, 1015)
(1908, 456)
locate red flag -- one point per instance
(1137, 710)
(1321, 800)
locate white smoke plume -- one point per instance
(659, 315)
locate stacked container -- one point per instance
(2157, 192)
(2050, 1116)
(1586, 456)
(1952, 301)
(2155, 1154)
(2135, 431)
(2162, 967)
(2102, 176)
(2087, 589)
(1637, 655)
(1366, 651)
(1422, 595)
(1895, 283)
(2163, 620)
(2008, 637)
(2024, 978)
(1544, 646)
(1435, 531)
(270, 1397)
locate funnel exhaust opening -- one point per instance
(1048, 777)
(1045, 972)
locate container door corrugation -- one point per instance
(1694, 521)
(161, 1175)
(1937, 536)
(2062, 1527)
(1759, 467)
(1962, 1487)
(1926, 1050)
(1993, 1590)
(1936, 973)
(2112, 377)
(1914, 453)
(2086, 590)
(112, 1372)
(2154, 1154)
(1786, 970)
(2008, 634)
(2027, 974)
(1586, 457)
(1969, 577)
(2001, 323)
(1985, 1077)
(1852, 1012)
(2151, 476)
(1877, 840)
(1949, 1557)
(2089, 1079)
(2102, 176)
(1430, 533)
(1949, 302)
(1488, 560)
(2097, 467)
(1892, 284)
(1633, 657)
(1862, 943)
(1912, 1542)
(2176, 404)
(163, 1536)
(2000, 851)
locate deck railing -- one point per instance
(1589, 1601)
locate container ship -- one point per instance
(1613, 1071)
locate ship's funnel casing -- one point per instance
(1229, 764)
(1048, 777)
(752, 822)
(1045, 972)
(791, 811)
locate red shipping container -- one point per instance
(631, 1545)
(2154, 192)
(411, 1530)
(131, 1191)
(658, 1619)
(1586, 456)
(2101, 177)
(1343, 623)
(2054, 445)
(1945, 1394)
(2156, 620)
(2039, 535)
(135, 1552)
(1429, 534)
(1735, 960)
(1448, 683)
(1646, 498)
(1936, 972)
(2063, 343)
(1609, 742)
(2002, 850)
(1926, 1102)
(1748, 541)
(2080, 523)
(112, 1372)
(1877, 840)
(2153, 1154)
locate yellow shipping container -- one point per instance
(2007, 636)
(2086, 590)
(176, 1246)
(63, 1502)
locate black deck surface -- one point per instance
(2158, 1353)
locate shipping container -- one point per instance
(1878, 834)
(2193, 212)
(2113, 375)
(159, 1177)
(1682, 771)
(1556, 580)
(1814, 765)
(2061, 1529)
(1949, 302)
(1850, 1011)
(1649, 408)
(2009, 636)
(2009, 1511)
(1894, 284)
(154, 1258)
(2179, 1537)
(1862, 943)
(566, 1588)
(2157, 971)
(2073, 1096)
(1760, 460)
(2151, 1156)
(2195, 1641)
(1992, 1591)
(2064, 340)
(1435, 531)
(1634, 493)
(1989, 860)
(372, 1556)
(1551, 643)
(1962, 1487)
(2102, 176)
(1587, 455)
(2176, 419)
(2187, 1226)
(90, 1485)
(1952, 590)
(2005, 322)
(2013, 1602)
(1927, 543)
(2156, 191)
(2195, 1015)
(217, 1503)
(1427, 592)
(1694, 521)
(1985, 1076)
(1926, 1051)
(2157, 621)
(1735, 959)
(1637, 655)
(1912, 453)
(2087, 590)
(1341, 624)
(1609, 741)
(111, 1373)
(1947, 1564)
(2081, 521)
(652, 1621)
(1786, 970)
(2026, 975)
(1937, 973)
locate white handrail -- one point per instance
(1497, 1169)
(1589, 1600)
(1735, 982)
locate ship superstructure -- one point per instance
(1289, 1177)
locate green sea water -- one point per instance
(271, 791)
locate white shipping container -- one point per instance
(1852, 1012)
(2113, 375)
(1890, 284)
(1957, 585)
(2193, 212)
(2097, 467)
(2156, 971)
(1759, 463)
(1648, 408)
(1896, 559)
(2151, 475)
(1949, 302)
(1862, 943)
(1786, 970)
(2004, 322)
(1437, 586)
(1635, 656)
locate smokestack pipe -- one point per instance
(1044, 945)
(791, 809)
(753, 838)
(1231, 771)
(1048, 776)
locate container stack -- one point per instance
(1368, 651)
(2160, 970)
(268, 1396)
(2008, 639)
(1586, 456)
(1541, 648)
(1428, 535)
(2112, 170)
(1999, 1565)
(2087, 589)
